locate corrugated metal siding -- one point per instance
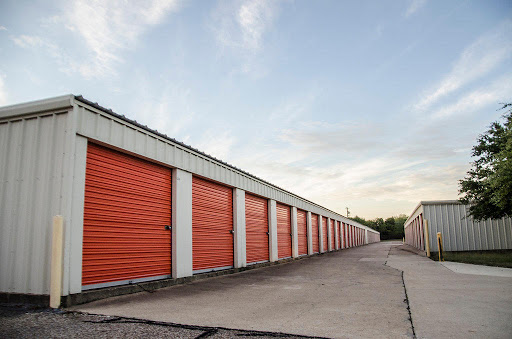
(33, 163)
(284, 231)
(461, 233)
(302, 232)
(212, 225)
(256, 223)
(314, 233)
(324, 233)
(127, 205)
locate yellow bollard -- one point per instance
(440, 246)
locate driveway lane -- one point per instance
(346, 294)
(447, 304)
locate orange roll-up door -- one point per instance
(302, 232)
(212, 225)
(256, 232)
(284, 231)
(314, 233)
(126, 208)
(324, 233)
(344, 230)
(332, 234)
(338, 224)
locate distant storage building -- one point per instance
(137, 205)
(459, 231)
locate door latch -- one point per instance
(167, 227)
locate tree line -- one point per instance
(391, 228)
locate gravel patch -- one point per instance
(26, 321)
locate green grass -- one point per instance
(500, 258)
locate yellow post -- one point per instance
(440, 246)
(427, 239)
(56, 264)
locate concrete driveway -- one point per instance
(346, 294)
(455, 300)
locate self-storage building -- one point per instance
(137, 205)
(459, 231)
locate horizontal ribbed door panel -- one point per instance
(256, 223)
(349, 240)
(324, 233)
(302, 232)
(314, 233)
(126, 208)
(332, 233)
(284, 231)
(344, 230)
(338, 224)
(212, 225)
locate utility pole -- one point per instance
(348, 213)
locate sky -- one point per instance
(370, 105)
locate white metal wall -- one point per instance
(462, 233)
(33, 152)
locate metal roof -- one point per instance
(81, 99)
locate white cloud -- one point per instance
(240, 28)
(168, 110)
(498, 91)
(341, 137)
(3, 28)
(29, 41)
(65, 62)
(414, 6)
(477, 60)
(110, 27)
(242, 25)
(3, 91)
(217, 144)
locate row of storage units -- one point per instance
(415, 232)
(459, 231)
(138, 205)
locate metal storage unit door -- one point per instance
(332, 234)
(338, 224)
(344, 230)
(126, 208)
(324, 233)
(256, 223)
(302, 232)
(284, 231)
(212, 226)
(314, 233)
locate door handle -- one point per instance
(167, 227)
(231, 231)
